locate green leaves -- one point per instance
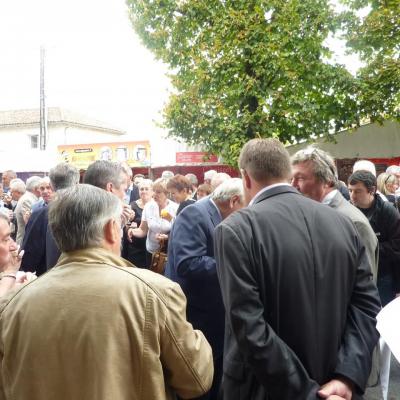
(257, 68)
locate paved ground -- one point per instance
(394, 387)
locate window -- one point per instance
(34, 141)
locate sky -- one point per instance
(95, 63)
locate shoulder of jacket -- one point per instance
(157, 284)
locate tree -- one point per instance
(248, 68)
(377, 39)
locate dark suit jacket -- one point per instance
(191, 263)
(40, 249)
(299, 297)
(134, 194)
(364, 229)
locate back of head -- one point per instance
(364, 165)
(219, 178)
(102, 172)
(33, 182)
(227, 189)
(84, 210)
(265, 160)
(63, 175)
(193, 179)
(393, 169)
(167, 175)
(208, 175)
(323, 164)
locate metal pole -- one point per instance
(43, 110)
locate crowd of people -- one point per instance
(270, 287)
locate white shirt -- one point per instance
(156, 224)
(265, 189)
(329, 197)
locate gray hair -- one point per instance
(393, 169)
(127, 169)
(33, 182)
(145, 182)
(227, 189)
(167, 174)
(265, 159)
(323, 164)
(193, 179)
(219, 178)
(18, 185)
(102, 172)
(77, 216)
(45, 179)
(364, 165)
(209, 174)
(63, 175)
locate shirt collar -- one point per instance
(263, 190)
(329, 197)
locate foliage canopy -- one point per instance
(255, 68)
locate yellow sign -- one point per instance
(135, 154)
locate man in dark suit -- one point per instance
(40, 249)
(297, 288)
(191, 263)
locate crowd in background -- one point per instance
(177, 215)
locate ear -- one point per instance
(109, 187)
(246, 180)
(233, 200)
(110, 232)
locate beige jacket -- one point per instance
(95, 328)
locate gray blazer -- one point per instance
(299, 299)
(363, 227)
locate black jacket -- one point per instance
(299, 298)
(385, 221)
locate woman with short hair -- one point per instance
(158, 215)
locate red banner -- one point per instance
(195, 157)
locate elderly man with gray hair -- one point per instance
(191, 263)
(25, 203)
(315, 176)
(41, 252)
(121, 331)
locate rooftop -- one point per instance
(55, 115)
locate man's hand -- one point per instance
(13, 260)
(26, 215)
(336, 389)
(127, 214)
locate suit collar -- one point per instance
(276, 190)
(214, 212)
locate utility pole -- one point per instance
(43, 110)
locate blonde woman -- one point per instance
(388, 184)
(158, 215)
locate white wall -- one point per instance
(16, 152)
